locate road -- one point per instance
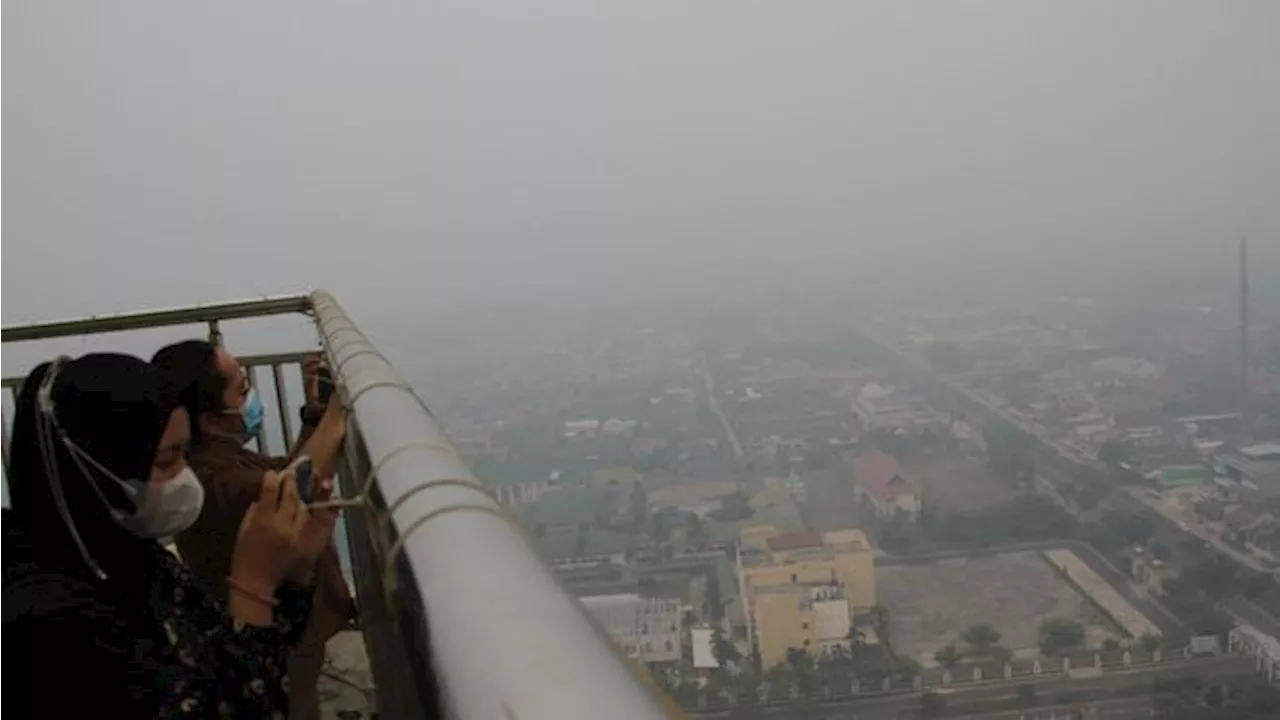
(1194, 529)
(714, 403)
(1130, 708)
(905, 706)
(1039, 432)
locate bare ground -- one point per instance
(931, 605)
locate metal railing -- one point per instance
(461, 616)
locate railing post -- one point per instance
(397, 693)
(282, 402)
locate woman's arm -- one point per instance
(324, 446)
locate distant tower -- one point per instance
(1244, 323)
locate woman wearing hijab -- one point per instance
(98, 616)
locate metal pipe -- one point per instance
(4, 435)
(506, 639)
(158, 318)
(282, 404)
(15, 381)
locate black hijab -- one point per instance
(113, 407)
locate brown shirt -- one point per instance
(232, 478)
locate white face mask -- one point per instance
(165, 509)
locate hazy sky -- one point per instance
(420, 157)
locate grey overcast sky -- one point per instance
(425, 157)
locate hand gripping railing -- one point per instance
(461, 616)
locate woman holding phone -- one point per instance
(98, 476)
(225, 414)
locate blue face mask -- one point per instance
(251, 413)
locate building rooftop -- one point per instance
(1270, 644)
(629, 613)
(794, 541)
(1262, 451)
(879, 473)
(703, 654)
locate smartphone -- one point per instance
(301, 468)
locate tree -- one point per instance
(901, 666)
(1216, 577)
(1009, 453)
(1252, 698)
(1088, 498)
(803, 671)
(947, 358)
(1177, 692)
(723, 650)
(880, 622)
(1214, 697)
(1258, 585)
(719, 681)
(697, 536)
(1194, 605)
(1114, 452)
(1150, 642)
(1025, 518)
(981, 637)
(1136, 529)
(1058, 634)
(948, 656)
(733, 507)
(638, 506)
(686, 693)
(1159, 550)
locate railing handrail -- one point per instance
(506, 638)
(190, 315)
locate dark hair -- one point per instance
(192, 369)
(114, 409)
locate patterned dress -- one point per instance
(114, 649)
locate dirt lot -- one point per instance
(931, 604)
(954, 482)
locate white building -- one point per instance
(831, 615)
(617, 426)
(587, 427)
(647, 629)
(1249, 640)
(704, 656)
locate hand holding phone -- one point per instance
(301, 469)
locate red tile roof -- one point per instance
(794, 540)
(879, 473)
